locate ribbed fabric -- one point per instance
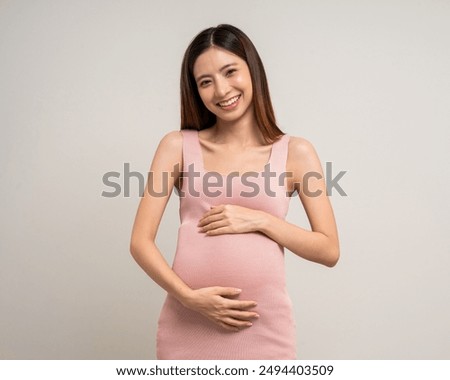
(250, 261)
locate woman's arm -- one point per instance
(320, 245)
(148, 217)
(212, 302)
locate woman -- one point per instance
(235, 172)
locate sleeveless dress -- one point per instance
(249, 261)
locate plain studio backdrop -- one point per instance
(90, 87)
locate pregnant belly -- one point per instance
(247, 261)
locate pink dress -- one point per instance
(250, 261)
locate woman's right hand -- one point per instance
(215, 304)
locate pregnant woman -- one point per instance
(235, 172)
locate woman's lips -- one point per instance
(230, 102)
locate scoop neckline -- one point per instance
(204, 171)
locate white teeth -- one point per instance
(229, 102)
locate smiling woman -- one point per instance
(239, 52)
(227, 296)
(224, 83)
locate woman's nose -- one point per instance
(221, 88)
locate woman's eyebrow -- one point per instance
(200, 77)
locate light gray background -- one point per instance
(86, 86)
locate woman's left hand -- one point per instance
(230, 219)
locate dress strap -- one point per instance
(278, 158)
(191, 153)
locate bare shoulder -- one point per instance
(171, 145)
(302, 156)
(169, 153)
(172, 140)
(300, 147)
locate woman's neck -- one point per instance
(243, 132)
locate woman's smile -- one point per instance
(230, 103)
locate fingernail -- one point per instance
(257, 316)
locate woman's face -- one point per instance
(224, 84)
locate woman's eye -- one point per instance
(204, 83)
(231, 71)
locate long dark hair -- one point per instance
(194, 114)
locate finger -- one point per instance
(212, 210)
(242, 315)
(220, 231)
(209, 219)
(226, 291)
(241, 305)
(216, 209)
(205, 215)
(215, 225)
(237, 322)
(228, 327)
